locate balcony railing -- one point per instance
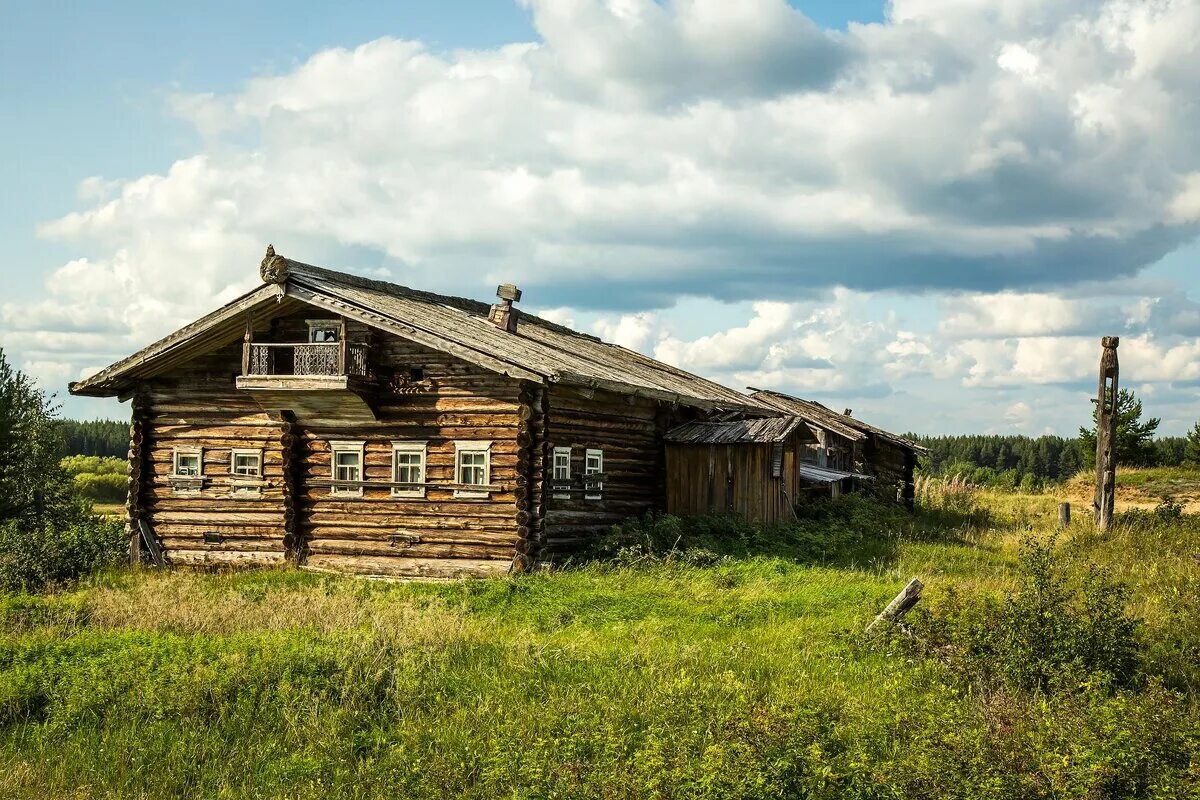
(304, 359)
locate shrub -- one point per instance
(104, 487)
(99, 465)
(850, 528)
(1051, 634)
(32, 558)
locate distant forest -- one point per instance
(991, 460)
(102, 437)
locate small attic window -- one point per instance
(323, 331)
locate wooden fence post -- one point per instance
(1064, 515)
(901, 604)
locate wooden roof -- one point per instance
(539, 350)
(745, 431)
(842, 424)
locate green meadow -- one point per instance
(728, 663)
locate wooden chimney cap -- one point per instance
(508, 291)
(1110, 341)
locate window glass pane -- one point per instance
(245, 464)
(408, 467)
(562, 465)
(187, 464)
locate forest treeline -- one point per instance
(1029, 462)
(987, 460)
(94, 437)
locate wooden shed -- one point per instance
(749, 467)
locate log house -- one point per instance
(352, 425)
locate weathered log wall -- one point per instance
(629, 432)
(428, 396)
(197, 405)
(892, 466)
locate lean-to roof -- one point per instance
(747, 431)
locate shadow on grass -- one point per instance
(850, 532)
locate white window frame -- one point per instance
(408, 447)
(555, 479)
(461, 447)
(336, 447)
(176, 452)
(322, 324)
(588, 455)
(245, 451)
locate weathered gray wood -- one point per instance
(1106, 434)
(901, 604)
(1064, 515)
(151, 542)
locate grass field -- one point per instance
(694, 676)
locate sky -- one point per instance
(927, 211)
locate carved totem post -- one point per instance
(1106, 435)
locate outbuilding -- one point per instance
(750, 467)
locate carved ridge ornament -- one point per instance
(274, 268)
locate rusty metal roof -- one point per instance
(744, 431)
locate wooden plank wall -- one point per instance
(629, 431)
(707, 479)
(197, 405)
(434, 536)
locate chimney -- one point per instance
(503, 315)
(846, 413)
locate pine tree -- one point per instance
(1134, 444)
(1191, 451)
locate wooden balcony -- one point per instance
(321, 382)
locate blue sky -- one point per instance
(927, 211)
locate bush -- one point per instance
(32, 558)
(1052, 634)
(852, 528)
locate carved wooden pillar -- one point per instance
(136, 455)
(1106, 435)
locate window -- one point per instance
(347, 462)
(188, 462)
(561, 478)
(321, 331)
(408, 466)
(472, 467)
(246, 463)
(593, 464)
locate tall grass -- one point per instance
(739, 673)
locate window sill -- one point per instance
(187, 483)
